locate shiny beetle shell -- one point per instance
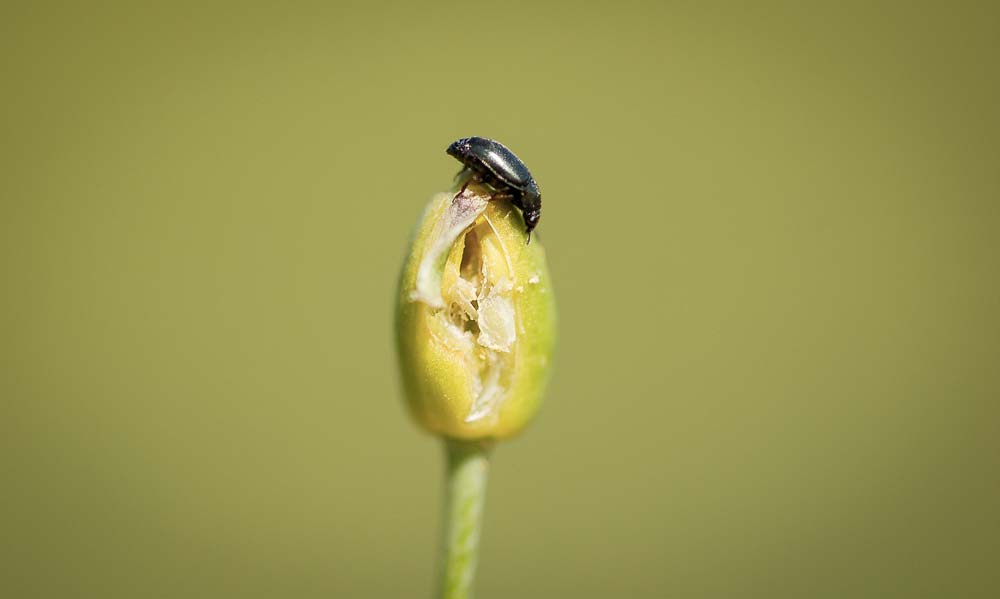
(492, 163)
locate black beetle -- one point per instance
(492, 163)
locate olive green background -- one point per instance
(773, 232)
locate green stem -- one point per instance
(465, 492)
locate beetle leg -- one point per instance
(474, 178)
(505, 195)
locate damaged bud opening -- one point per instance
(475, 318)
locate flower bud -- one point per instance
(475, 318)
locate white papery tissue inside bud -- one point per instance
(479, 314)
(496, 319)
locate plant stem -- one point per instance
(465, 493)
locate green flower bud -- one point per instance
(475, 318)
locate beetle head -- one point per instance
(460, 149)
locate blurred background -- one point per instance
(773, 233)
